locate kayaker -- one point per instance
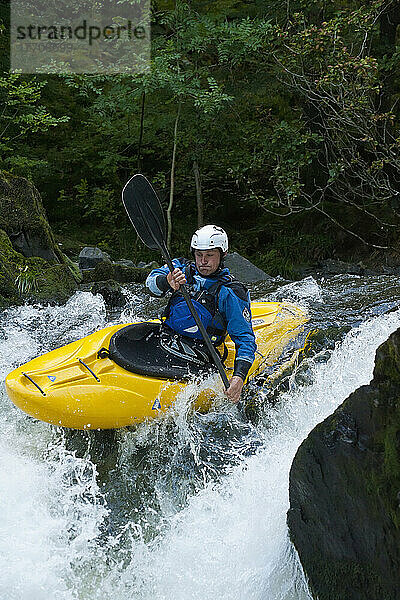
(222, 302)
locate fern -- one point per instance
(26, 282)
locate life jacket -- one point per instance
(177, 314)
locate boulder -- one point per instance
(55, 283)
(11, 265)
(105, 271)
(344, 516)
(124, 262)
(90, 257)
(243, 269)
(32, 267)
(149, 266)
(111, 292)
(23, 218)
(32, 278)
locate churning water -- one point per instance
(192, 506)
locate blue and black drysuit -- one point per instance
(222, 303)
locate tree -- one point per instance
(338, 82)
(22, 116)
(179, 81)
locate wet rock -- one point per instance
(344, 516)
(55, 284)
(150, 266)
(387, 270)
(305, 270)
(31, 279)
(124, 262)
(127, 274)
(103, 271)
(243, 269)
(97, 266)
(11, 264)
(332, 267)
(32, 267)
(111, 292)
(90, 257)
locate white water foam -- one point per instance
(50, 505)
(29, 330)
(231, 540)
(305, 290)
(51, 513)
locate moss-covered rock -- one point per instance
(69, 246)
(55, 284)
(111, 292)
(11, 264)
(31, 279)
(32, 267)
(106, 271)
(344, 516)
(125, 274)
(23, 218)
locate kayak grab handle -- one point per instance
(89, 369)
(34, 383)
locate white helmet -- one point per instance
(210, 237)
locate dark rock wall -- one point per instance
(344, 516)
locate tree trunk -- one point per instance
(199, 194)
(171, 191)
(139, 152)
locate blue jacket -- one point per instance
(233, 307)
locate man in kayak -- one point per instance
(222, 303)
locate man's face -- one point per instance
(207, 261)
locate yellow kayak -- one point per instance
(124, 374)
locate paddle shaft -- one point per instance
(202, 329)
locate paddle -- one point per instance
(147, 217)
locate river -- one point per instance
(190, 507)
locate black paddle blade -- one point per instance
(145, 211)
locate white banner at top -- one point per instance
(80, 36)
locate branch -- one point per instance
(352, 233)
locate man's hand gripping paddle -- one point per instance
(147, 217)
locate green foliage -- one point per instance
(21, 118)
(331, 70)
(97, 205)
(328, 577)
(26, 282)
(288, 250)
(288, 108)
(274, 263)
